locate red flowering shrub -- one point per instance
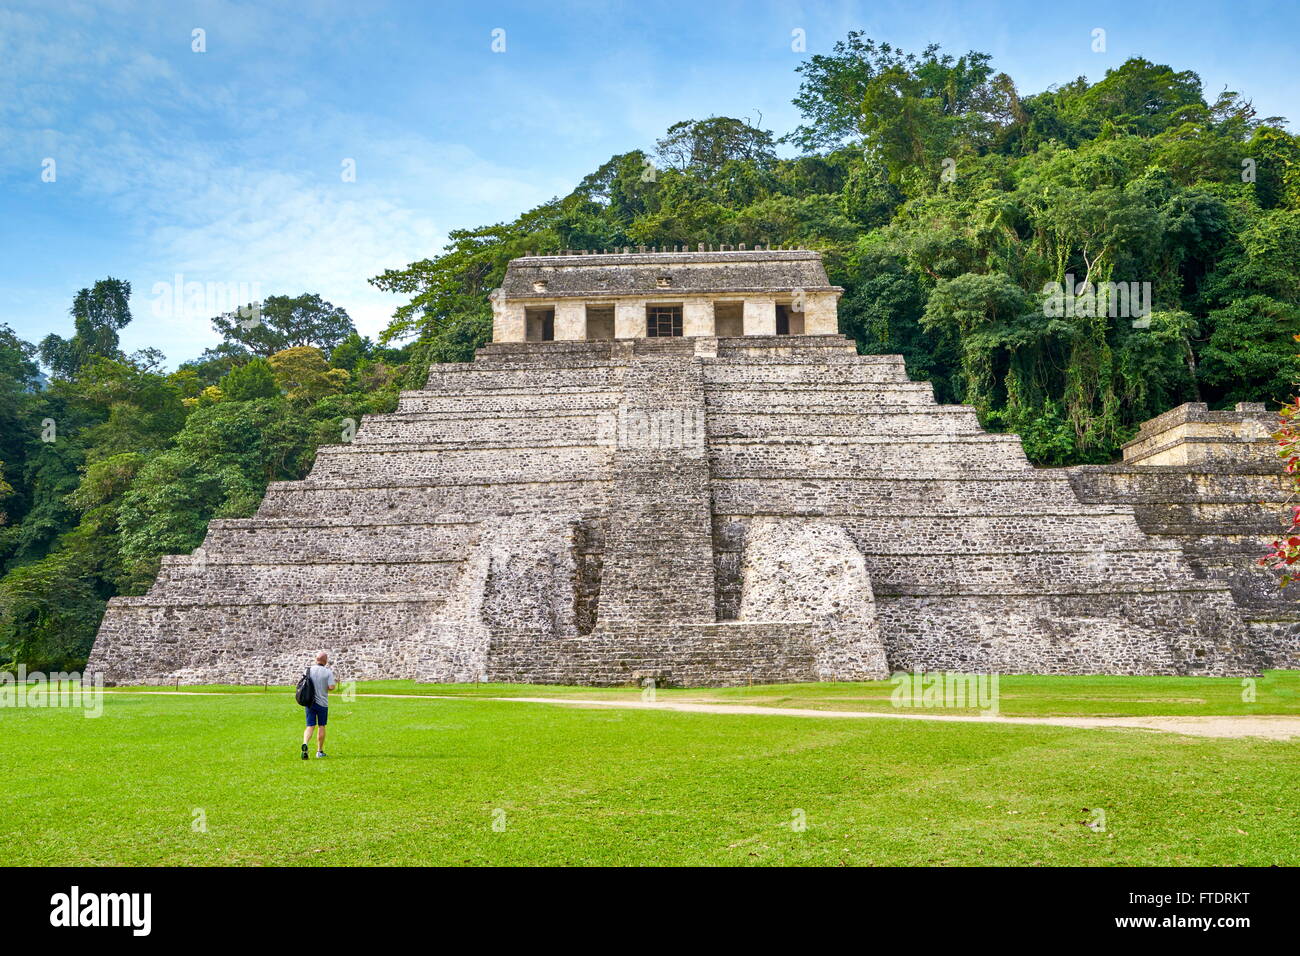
(1286, 549)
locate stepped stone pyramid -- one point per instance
(613, 491)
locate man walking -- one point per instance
(318, 711)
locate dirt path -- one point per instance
(1272, 727)
(1267, 726)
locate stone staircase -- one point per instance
(658, 562)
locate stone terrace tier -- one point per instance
(1211, 483)
(713, 510)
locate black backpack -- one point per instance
(306, 691)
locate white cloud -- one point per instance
(173, 160)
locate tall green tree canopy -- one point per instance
(281, 322)
(98, 314)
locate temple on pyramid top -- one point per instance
(634, 295)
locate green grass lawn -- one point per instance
(1276, 692)
(412, 781)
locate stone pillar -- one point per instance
(697, 317)
(820, 316)
(760, 316)
(570, 321)
(508, 323)
(629, 319)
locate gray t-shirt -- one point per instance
(321, 678)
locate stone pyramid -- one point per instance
(697, 510)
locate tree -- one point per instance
(49, 611)
(1250, 353)
(911, 111)
(19, 380)
(620, 190)
(98, 314)
(304, 375)
(50, 474)
(1277, 156)
(251, 381)
(131, 407)
(6, 490)
(213, 365)
(282, 322)
(1139, 97)
(353, 350)
(219, 466)
(969, 304)
(705, 146)
(448, 311)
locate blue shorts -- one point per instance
(317, 714)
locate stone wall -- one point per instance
(1192, 433)
(719, 511)
(1211, 485)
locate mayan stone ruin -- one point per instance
(671, 466)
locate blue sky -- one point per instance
(226, 166)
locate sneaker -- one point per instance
(319, 753)
(304, 751)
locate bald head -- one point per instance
(322, 658)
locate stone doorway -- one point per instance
(539, 325)
(600, 323)
(728, 318)
(788, 321)
(663, 321)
